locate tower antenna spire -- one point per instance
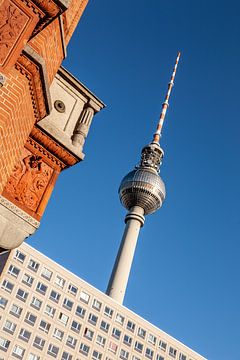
(141, 192)
(165, 104)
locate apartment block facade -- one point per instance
(48, 312)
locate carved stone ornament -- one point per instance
(28, 181)
(12, 23)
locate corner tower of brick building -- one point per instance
(45, 113)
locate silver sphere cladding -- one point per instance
(142, 187)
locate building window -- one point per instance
(104, 326)
(97, 304)
(32, 356)
(39, 342)
(15, 310)
(33, 265)
(44, 326)
(49, 310)
(172, 352)
(30, 318)
(13, 270)
(36, 303)
(22, 295)
(42, 288)
(80, 311)
(101, 340)
(162, 345)
(130, 326)
(120, 319)
(159, 357)
(116, 333)
(71, 341)
(9, 326)
(149, 353)
(75, 326)
(152, 339)
(7, 286)
(112, 347)
(68, 304)
(182, 357)
(96, 355)
(24, 335)
(46, 273)
(92, 319)
(124, 354)
(138, 346)
(20, 256)
(108, 311)
(53, 350)
(54, 296)
(59, 281)
(18, 351)
(84, 297)
(72, 289)
(141, 333)
(88, 333)
(58, 334)
(84, 349)
(66, 356)
(127, 340)
(4, 344)
(27, 279)
(3, 302)
(135, 358)
(63, 318)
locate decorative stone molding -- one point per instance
(32, 65)
(15, 224)
(51, 9)
(20, 213)
(35, 58)
(51, 149)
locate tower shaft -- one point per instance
(119, 278)
(141, 192)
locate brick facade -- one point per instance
(33, 39)
(16, 97)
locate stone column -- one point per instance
(119, 278)
(82, 127)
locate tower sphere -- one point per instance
(142, 187)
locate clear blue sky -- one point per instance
(185, 276)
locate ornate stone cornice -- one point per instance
(19, 212)
(50, 8)
(62, 156)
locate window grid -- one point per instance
(96, 305)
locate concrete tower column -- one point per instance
(119, 278)
(141, 192)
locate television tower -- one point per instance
(141, 192)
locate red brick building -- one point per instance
(45, 113)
